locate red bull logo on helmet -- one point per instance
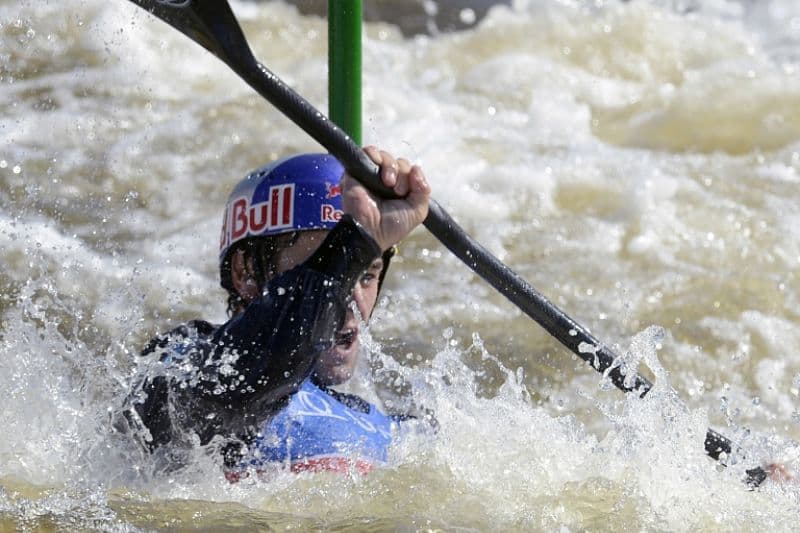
(333, 190)
(242, 219)
(298, 193)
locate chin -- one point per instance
(330, 377)
(341, 376)
(337, 364)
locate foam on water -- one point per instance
(636, 161)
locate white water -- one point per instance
(637, 162)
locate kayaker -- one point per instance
(303, 252)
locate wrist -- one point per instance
(346, 252)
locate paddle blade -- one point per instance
(210, 23)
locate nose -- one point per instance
(360, 298)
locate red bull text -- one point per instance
(329, 213)
(242, 219)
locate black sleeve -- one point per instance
(259, 357)
(265, 353)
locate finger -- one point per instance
(388, 169)
(374, 154)
(401, 187)
(419, 194)
(418, 183)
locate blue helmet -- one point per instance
(301, 192)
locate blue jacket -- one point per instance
(321, 429)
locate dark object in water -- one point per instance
(414, 17)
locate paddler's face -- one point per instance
(336, 365)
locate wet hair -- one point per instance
(264, 253)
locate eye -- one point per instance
(368, 278)
(372, 274)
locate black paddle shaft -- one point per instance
(212, 24)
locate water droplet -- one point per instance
(430, 7)
(467, 16)
(586, 347)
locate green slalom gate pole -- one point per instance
(344, 65)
